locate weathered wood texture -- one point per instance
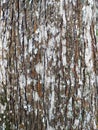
(48, 65)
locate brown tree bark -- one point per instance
(48, 59)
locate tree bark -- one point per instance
(48, 65)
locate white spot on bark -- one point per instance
(39, 68)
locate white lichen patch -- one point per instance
(52, 101)
(35, 96)
(22, 81)
(39, 68)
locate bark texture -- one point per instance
(48, 65)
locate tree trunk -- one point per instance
(48, 65)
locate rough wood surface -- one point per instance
(48, 65)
